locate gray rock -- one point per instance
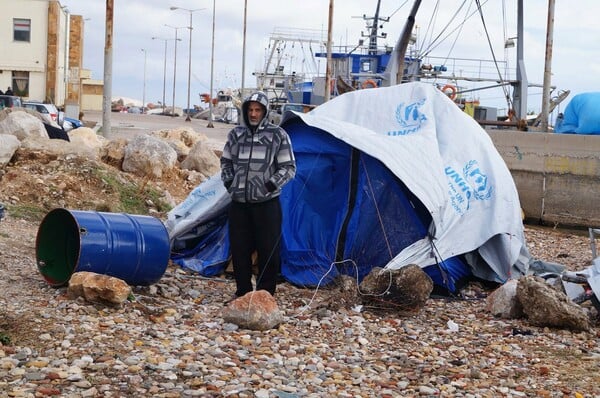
(545, 306)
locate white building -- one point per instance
(42, 52)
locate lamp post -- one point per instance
(144, 89)
(188, 119)
(212, 67)
(164, 73)
(175, 64)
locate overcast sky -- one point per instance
(574, 67)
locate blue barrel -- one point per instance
(133, 248)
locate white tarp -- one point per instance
(446, 159)
(204, 203)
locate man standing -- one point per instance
(257, 161)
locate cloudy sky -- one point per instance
(574, 67)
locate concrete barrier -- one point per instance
(557, 175)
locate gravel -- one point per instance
(171, 341)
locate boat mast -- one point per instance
(402, 44)
(372, 34)
(520, 91)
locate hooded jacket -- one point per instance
(257, 161)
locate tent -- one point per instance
(385, 178)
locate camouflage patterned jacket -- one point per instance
(254, 157)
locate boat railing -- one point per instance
(468, 69)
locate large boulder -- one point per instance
(8, 146)
(85, 136)
(202, 159)
(148, 156)
(61, 147)
(22, 125)
(546, 306)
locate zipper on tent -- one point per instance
(353, 189)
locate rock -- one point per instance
(59, 147)
(22, 125)
(503, 301)
(8, 146)
(85, 136)
(545, 306)
(201, 158)
(255, 310)
(113, 152)
(148, 156)
(407, 288)
(98, 288)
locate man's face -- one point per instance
(255, 113)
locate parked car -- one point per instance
(48, 110)
(69, 124)
(10, 101)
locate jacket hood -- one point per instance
(259, 97)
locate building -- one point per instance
(42, 53)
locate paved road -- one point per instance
(127, 125)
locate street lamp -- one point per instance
(144, 90)
(188, 119)
(212, 67)
(175, 63)
(164, 73)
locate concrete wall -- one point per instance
(91, 94)
(557, 175)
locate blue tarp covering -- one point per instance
(581, 116)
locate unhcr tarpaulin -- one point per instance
(445, 159)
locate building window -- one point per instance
(22, 29)
(20, 83)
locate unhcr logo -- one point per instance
(471, 184)
(409, 117)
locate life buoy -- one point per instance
(452, 93)
(369, 83)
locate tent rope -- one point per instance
(335, 264)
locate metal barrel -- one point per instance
(133, 248)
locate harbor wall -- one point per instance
(557, 175)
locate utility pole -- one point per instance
(547, 67)
(107, 89)
(174, 64)
(244, 50)
(212, 67)
(144, 88)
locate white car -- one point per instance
(48, 110)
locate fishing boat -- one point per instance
(556, 175)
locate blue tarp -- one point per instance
(345, 212)
(581, 116)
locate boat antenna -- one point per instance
(373, 27)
